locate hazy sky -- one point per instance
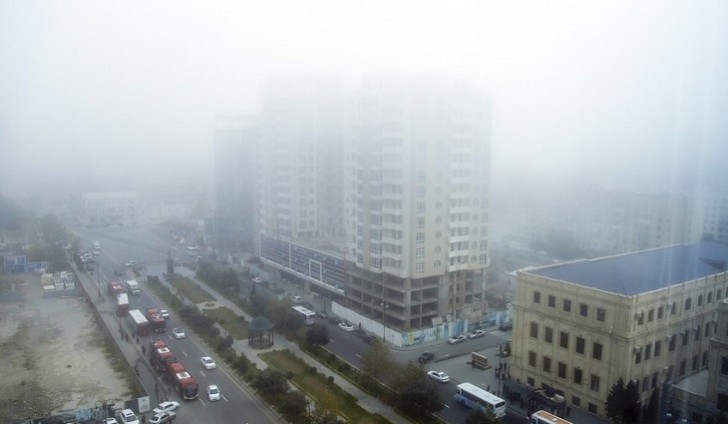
(607, 91)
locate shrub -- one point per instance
(330, 379)
(290, 375)
(313, 370)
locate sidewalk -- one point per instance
(365, 400)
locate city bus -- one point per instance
(309, 316)
(139, 322)
(543, 417)
(473, 396)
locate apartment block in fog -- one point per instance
(416, 181)
(646, 316)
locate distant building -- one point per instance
(646, 316)
(108, 208)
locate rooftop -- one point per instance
(644, 271)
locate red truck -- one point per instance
(182, 381)
(156, 321)
(115, 288)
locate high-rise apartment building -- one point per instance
(646, 317)
(300, 194)
(416, 199)
(235, 171)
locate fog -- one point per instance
(610, 93)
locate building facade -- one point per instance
(108, 208)
(647, 316)
(416, 202)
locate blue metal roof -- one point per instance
(643, 271)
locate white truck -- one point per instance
(133, 287)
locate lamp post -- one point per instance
(500, 367)
(384, 320)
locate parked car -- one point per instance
(426, 357)
(164, 417)
(505, 326)
(438, 376)
(346, 326)
(476, 334)
(111, 420)
(213, 393)
(131, 264)
(164, 313)
(456, 339)
(295, 299)
(178, 333)
(257, 280)
(208, 363)
(167, 406)
(322, 314)
(128, 417)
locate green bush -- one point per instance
(330, 379)
(313, 370)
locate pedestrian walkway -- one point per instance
(366, 401)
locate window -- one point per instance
(420, 207)
(564, 339)
(562, 370)
(672, 343)
(592, 408)
(660, 311)
(695, 363)
(567, 305)
(710, 297)
(420, 253)
(536, 297)
(420, 222)
(722, 404)
(705, 360)
(420, 238)
(650, 315)
(673, 308)
(707, 330)
(546, 364)
(645, 383)
(685, 338)
(552, 301)
(641, 318)
(531, 358)
(530, 381)
(601, 314)
(419, 268)
(697, 333)
(681, 371)
(594, 383)
(718, 295)
(534, 330)
(658, 345)
(648, 351)
(688, 303)
(583, 309)
(654, 379)
(576, 401)
(548, 335)
(724, 365)
(580, 345)
(700, 300)
(577, 376)
(638, 355)
(597, 351)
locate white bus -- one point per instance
(309, 316)
(473, 396)
(543, 417)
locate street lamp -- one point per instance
(500, 367)
(384, 320)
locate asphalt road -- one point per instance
(120, 245)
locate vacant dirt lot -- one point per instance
(55, 357)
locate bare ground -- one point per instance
(54, 357)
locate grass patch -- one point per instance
(317, 387)
(232, 323)
(190, 290)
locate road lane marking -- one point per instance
(223, 396)
(203, 374)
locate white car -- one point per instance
(475, 334)
(213, 393)
(295, 299)
(178, 333)
(111, 420)
(167, 406)
(208, 363)
(128, 417)
(164, 417)
(257, 280)
(456, 339)
(164, 313)
(438, 376)
(131, 264)
(346, 326)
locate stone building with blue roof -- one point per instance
(646, 316)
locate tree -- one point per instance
(271, 383)
(295, 405)
(623, 403)
(416, 394)
(477, 416)
(377, 360)
(317, 335)
(230, 281)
